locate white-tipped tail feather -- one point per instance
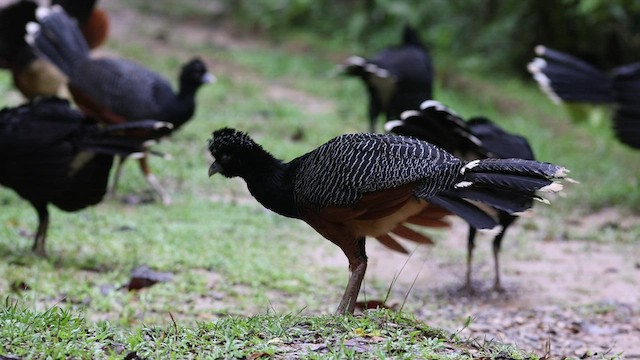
(540, 50)
(390, 125)
(469, 165)
(43, 11)
(536, 68)
(553, 187)
(463, 184)
(409, 113)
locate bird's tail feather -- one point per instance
(509, 185)
(126, 138)
(441, 126)
(58, 38)
(626, 121)
(150, 129)
(471, 213)
(566, 78)
(501, 199)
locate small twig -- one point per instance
(175, 326)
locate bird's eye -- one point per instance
(224, 158)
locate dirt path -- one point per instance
(581, 297)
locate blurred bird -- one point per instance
(32, 75)
(397, 78)
(51, 153)
(566, 78)
(360, 185)
(115, 90)
(478, 138)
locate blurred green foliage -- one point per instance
(488, 34)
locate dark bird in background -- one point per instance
(477, 138)
(566, 78)
(51, 153)
(32, 75)
(360, 185)
(116, 90)
(397, 78)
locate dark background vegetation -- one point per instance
(492, 34)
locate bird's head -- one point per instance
(233, 151)
(352, 66)
(195, 73)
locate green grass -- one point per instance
(58, 333)
(230, 258)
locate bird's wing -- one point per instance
(343, 170)
(498, 142)
(126, 88)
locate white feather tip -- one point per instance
(469, 165)
(463, 184)
(409, 113)
(355, 60)
(553, 187)
(390, 125)
(43, 11)
(561, 172)
(540, 50)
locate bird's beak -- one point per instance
(214, 168)
(208, 78)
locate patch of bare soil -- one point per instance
(581, 297)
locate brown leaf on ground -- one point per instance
(143, 277)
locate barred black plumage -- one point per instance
(340, 171)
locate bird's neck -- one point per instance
(271, 182)
(182, 108)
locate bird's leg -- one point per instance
(497, 286)
(152, 180)
(358, 267)
(41, 234)
(471, 243)
(116, 176)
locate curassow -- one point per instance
(566, 78)
(116, 90)
(360, 185)
(51, 153)
(477, 138)
(397, 78)
(32, 75)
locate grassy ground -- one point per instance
(231, 259)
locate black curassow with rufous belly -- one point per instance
(115, 90)
(360, 185)
(51, 153)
